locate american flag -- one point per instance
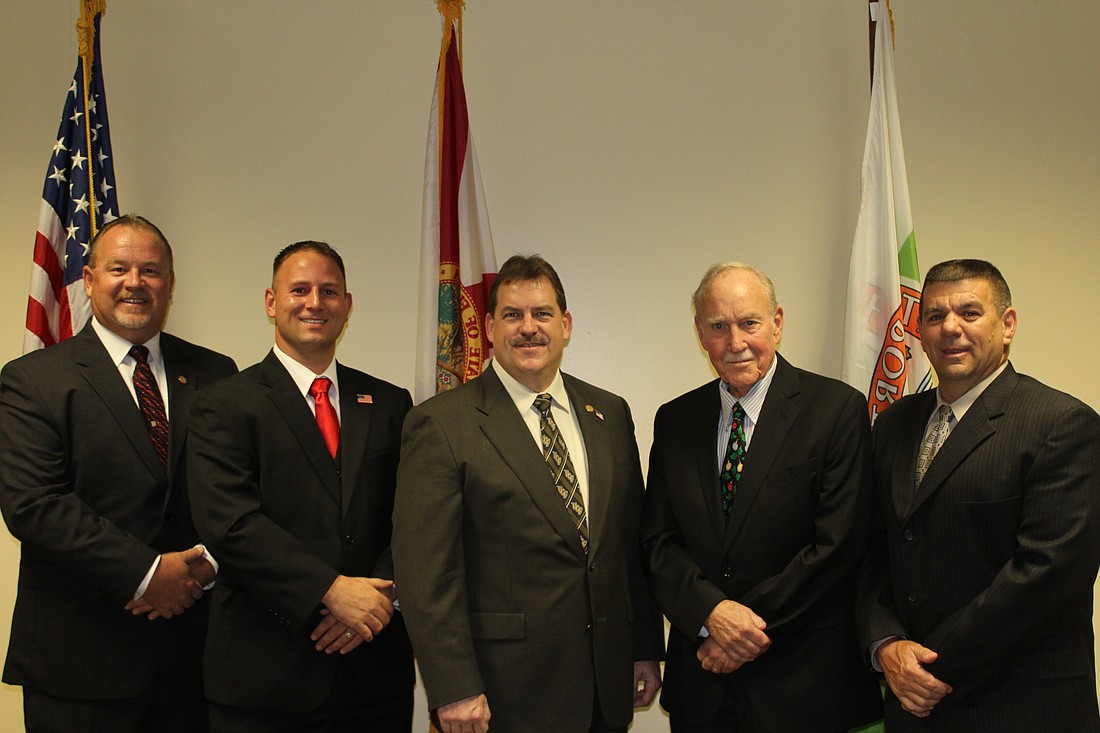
(78, 197)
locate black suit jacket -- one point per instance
(81, 487)
(284, 519)
(790, 551)
(992, 562)
(497, 592)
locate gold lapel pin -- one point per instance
(183, 379)
(590, 408)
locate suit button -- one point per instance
(592, 567)
(908, 535)
(349, 540)
(912, 597)
(588, 628)
(727, 572)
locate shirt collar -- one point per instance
(303, 376)
(119, 348)
(523, 397)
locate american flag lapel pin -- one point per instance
(364, 399)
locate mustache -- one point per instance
(744, 355)
(530, 341)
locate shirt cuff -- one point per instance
(156, 563)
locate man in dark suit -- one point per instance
(756, 519)
(293, 464)
(977, 603)
(106, 634)
(521, 582)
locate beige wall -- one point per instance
(631, 142)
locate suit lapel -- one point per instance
(103, 376)
(700, 437)
(290, 403)
(598, 451)
(508, 433)
(181, 377)
(910, 436)
(776, 418)
(977, 426)
(355, 422)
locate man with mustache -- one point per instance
(978, 594)
(108, 626)
(756, 519)
(516, 535)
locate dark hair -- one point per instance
(955, 270)
(521, 268)
(137, 222)
(321, 248)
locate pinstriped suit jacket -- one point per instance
(992, 562)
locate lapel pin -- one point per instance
(183, 379)
(590, 408)
(364, 399)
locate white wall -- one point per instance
(631, 142)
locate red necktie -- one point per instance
(150, 402)
(326, 413)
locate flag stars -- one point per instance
(81, 204)
(58, 175)
(73, 231)
(59, 146)
(78, 160)
(77, 114)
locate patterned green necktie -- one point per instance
(556, 455)
(734, 462)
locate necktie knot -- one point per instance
(139, 353)
(542, 404)
(319, 388)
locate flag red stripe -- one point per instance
(38, 322)
(46, 258)
(456, 133)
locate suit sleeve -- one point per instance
(430, 563)
(37, 494)
(262, 558)
(840, 527)
(1053, 567)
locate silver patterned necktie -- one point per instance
(556, 455)
(932, 442)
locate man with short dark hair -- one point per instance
(108, 626)
(516, 535)
(756, 520)
(294, 462)
(978, 592)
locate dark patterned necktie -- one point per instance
(556, 455)
(326, 414)
(734, 462)
(150, 402)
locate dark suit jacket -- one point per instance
(498, 595)
(81, 487)
(992, 562)
(284, 519)
(790, 551)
